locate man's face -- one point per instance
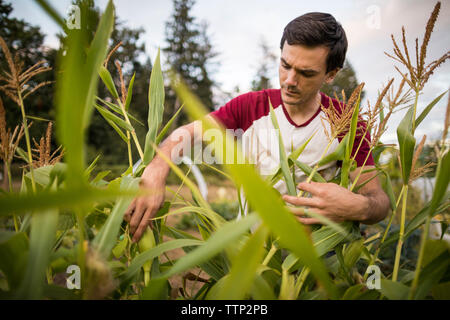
(302, 73)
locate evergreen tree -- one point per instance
(102, 139)
(345, 80)
(189, 52)
(26, 41)
(266, 68)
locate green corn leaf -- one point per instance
(22, 154)
(37, 118)
(325, 221)
(216, 288)
(428, 108)
(118, 130)
(140, 259)
(389, 191)
(297, 152)
(199, 210)
(52, 13)
(244, 266)
(441, 184)
(291, 158)
(433, 271)
(117, 109)
(441, 291)
(261, 289)
(157, 289)
(106, 238)
(210, 267)
(96, 55)
(292, 234)
(108, 81)
(13, 253)
(42, 237)
(338, 154)
(192, 187)
(45, 175)
(75, 92)
(283, 158)
(407, 143)
(111, 117)
(317, 177)
(347, 161)
(156, 109)
(433, 207)
(164, 130)
(354, 292)
(353, 252)
(120, 247)
(62, 199)
(420, 218)
(416, 222)
(287, 289)
(218, 241)
(326, 238)
(359, 186)
(394, 290)
(129, 92)
(352, 132)
(91, 167)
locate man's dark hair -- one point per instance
(317, 28)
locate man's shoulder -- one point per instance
(327, 101)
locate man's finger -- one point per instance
(142, 226)
(137, 216)
(129, 212)
(311, 187)
(308, 221)
(302, 201)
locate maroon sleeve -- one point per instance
(230, 114)
(240, 112)
(364, 149)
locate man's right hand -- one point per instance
(144, 208)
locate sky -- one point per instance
(236, 28)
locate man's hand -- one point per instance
(338, 204)
(144, 208)
(329, 200)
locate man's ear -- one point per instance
(329, 77)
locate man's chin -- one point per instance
(289, 101)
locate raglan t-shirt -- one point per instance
(250, 113)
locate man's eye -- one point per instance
(285, 66)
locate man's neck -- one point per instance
(303, 112)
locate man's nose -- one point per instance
(291, 79)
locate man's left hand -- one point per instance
(329, 200)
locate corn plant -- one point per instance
(64, 216)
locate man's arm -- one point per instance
(143, 209)
(370, 205)
(378, 201)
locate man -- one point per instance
(313, 48)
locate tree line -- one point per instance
(188, 50)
